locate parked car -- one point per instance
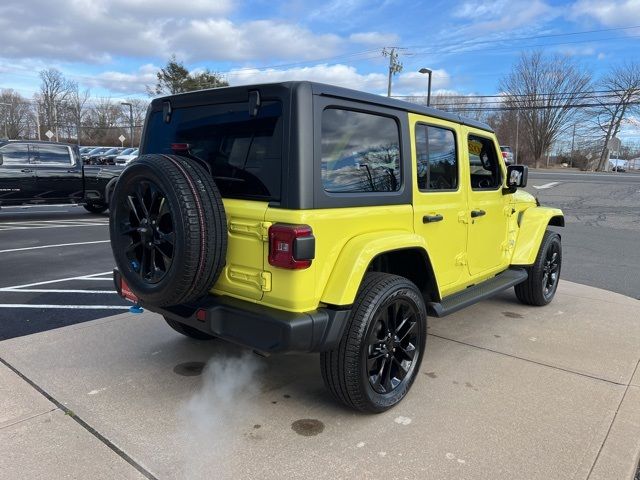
(507, 154)
(618, 168)
(49, 172)
(126, 158)
(305, 217)
(107, 158)
(91, 156)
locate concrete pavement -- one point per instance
(505, 391)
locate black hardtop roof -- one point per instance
(337, 92)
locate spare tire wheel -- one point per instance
(168, 229)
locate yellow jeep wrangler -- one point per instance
(306, 217)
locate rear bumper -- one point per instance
(261, 328)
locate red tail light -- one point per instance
(291, 246)
(504, 154)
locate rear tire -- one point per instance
(379, 356)
(95, 207)
(188, 331)
(544, 275)
(168, 229)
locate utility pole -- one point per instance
(573, 141)
(130, 119)
(394, 65)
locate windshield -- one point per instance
(243, 152)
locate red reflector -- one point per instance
(180, 147)
(201, 315)
(281, 245)
(126, 293)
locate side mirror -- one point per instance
(516, 177)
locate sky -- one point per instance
(115, 47)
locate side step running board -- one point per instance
(478, 292)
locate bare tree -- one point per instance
(621, 100)
(77, 108)
(546, 91)
(54, 89)
(15, 111)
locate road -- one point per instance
(601, 239)
(56, 269)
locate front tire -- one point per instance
(544, 275)
(379, 356)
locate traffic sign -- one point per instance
(122, 138)
(49, 134)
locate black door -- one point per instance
(17, 174)
(59, 174)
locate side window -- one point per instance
(437, 158)
(484, 165)
(51, 154)
(360, 152)
(15, 154)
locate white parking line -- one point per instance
(44, 290)
(8, 228)
(74, 307)
(52, 246)
(48, 282)
(546, 185)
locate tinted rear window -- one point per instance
(360, 152)
(244, 152)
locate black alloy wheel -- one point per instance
(168, 229)
(393, 345)
(149, 229)
(544, 275)
(551, 270)
(379, 354)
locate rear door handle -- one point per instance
(26, 170)
(432, 218)
(477, 213)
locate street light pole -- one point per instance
(130, 119)
(515, 156)
(430, 72)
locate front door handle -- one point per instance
(432, 218)
(477, 213)
(26, 170)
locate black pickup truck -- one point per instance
(34, 172)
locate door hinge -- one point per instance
(461, 259)
(462, 217)
(254, 229)
(261, 280)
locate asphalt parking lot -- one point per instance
(56, 269)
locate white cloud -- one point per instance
(611, 13)
(375, 39)
(225, 40)
(500, 16)
(95, 31)
(409, 83)
(122, 82)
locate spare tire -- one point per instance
(168, 229)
